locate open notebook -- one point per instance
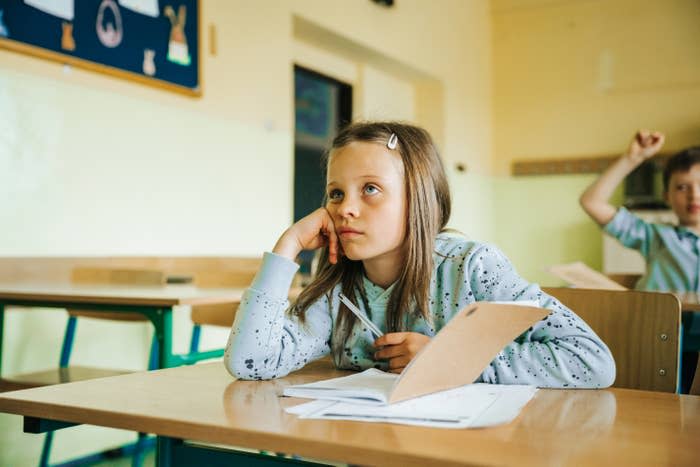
(456, 356)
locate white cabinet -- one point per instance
(620, 260)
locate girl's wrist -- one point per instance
(287, 247)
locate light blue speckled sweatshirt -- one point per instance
(559, 351)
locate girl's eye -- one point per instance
(371, 189)
(335, 195)
(682, 187)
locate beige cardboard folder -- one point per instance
(463, 348)
(456, 356)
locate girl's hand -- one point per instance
(313, 231)
(644, 145)
(399, 348)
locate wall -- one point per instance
(577, 78)
(93, 165)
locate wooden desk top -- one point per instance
(202, 402)
(66, 293)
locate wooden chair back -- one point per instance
(112, 276)
(642, 330)
(219, 315)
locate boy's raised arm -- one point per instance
(596, 199)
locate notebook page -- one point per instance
(371, 386)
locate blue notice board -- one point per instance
(155, 42)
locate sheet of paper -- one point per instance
(580, 275)
(508, 406)
(474, 405)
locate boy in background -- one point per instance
(672, 252)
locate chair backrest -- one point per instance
(219, 315)
(112, 276)
(642, 330)
(224, 278)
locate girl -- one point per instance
(384, 245)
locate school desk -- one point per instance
(190, 405)
(154, 302)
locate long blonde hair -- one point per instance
(428, 210)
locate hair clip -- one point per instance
(391, 144)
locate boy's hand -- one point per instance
(644, 145)
(313, 231)
(399, 348)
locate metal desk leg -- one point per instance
(162, 319)
(164, 451)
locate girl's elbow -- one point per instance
(605, 373)
(235, 368)
(251, 370)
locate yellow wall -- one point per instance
(524, 79)
(93, 165)
(577, 78)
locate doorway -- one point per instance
(322, 105)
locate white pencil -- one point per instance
(365, 320)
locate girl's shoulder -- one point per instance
(453, 245)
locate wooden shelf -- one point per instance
(570, 166)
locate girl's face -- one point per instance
(367, 201)
(684, 196)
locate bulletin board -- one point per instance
(155, 42)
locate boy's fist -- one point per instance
(644, 145)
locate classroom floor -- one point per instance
(148, 461)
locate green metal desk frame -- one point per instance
(175, 452)
(161, 317)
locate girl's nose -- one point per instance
(348, 208)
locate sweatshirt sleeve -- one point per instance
(267, 342)
(560, 351)
(631, 231)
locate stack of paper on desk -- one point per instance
(441, 373)
(470, 406)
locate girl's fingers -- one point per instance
(399, 363)
(331, 237)
(390, 351)
(391, 338)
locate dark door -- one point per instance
(322, 105)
